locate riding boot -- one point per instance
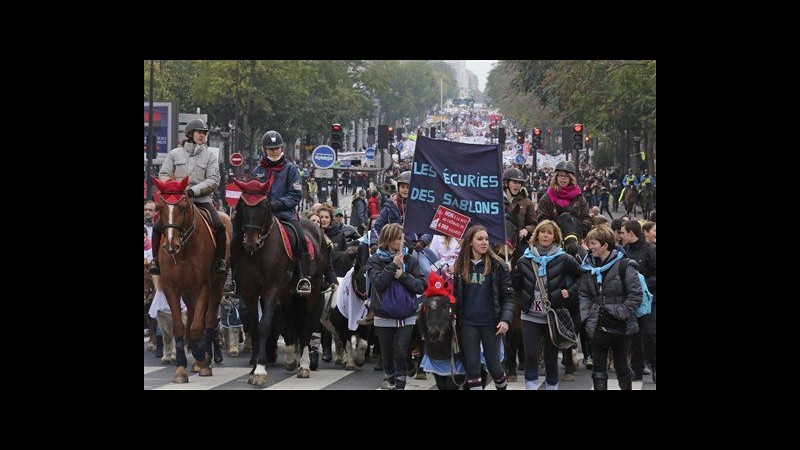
(600, 381)
(626, 383)
(304, 285)
(153, 268)
(219, 266)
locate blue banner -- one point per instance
(466, 178)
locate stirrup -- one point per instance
(304, 287)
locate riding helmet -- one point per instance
(194, 125)
(513, 174)
(404, 177)
(566, 166)
(271, 139)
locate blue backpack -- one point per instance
(647, 297)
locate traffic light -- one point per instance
(383, 137)
(390, 132)
(370, 136)
(337, 138)
(501, 137)
(521, 137)
(537, 139)
(577, 136)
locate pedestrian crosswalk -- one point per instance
(233, 373)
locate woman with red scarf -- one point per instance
(564, 194)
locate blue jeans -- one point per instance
(471, 338)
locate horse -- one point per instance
(629, 200)
(335, 321)
(186, 253)
(265, 275)
(646, 200)
(571, 232)
(436, 324)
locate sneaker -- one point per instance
(389, 387)
(588, 362)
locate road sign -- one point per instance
(237, 159)
(399, 146)
(370, 153)
(323, 156)
(232, 193)
(519, 159)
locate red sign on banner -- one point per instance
(449, 222)
(232, 194)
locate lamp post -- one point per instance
(150, 141)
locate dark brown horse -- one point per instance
(186, 254)
(646, 200)
(265, 276)
(629, 200)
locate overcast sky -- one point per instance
(481, 68)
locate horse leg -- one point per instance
(179, 331)
(264, 328)
(349, 356)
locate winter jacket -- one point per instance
(359, 215)
(286, 188)
(645, 254)
(373, 207)
(578, 206)
(503, 293)
(196, 162)
(563, 272)
(613, 298)
(381, 270)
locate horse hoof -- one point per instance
(512, 378)
(250, 379)
(290, 367)
(259, 380)
(180, 376)
(195, 368)
(205, 372)
(421, 375)
(233, 353)
(350, 367)
(151, 347)
(304, 373)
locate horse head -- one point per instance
(254, 214)
(359, 280)
(177, 213)
(570, 231)
(437, 309)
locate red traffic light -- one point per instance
(577, 127)
(390, 129)
(336, 127)
(537, 132)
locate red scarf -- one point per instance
(148, 245)
(563, 196)
(271, 169)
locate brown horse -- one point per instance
(266, 276)
(647, 200)
(629, 200)
(186, 254)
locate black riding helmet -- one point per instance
(271, 139)
(194, 125)
(566, 166)
(513, 174)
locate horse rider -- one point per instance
(563, 195)
(646, 178)
(194, 160)
(284, 189)
(519, 209)
(628, 180)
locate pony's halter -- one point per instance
(262, 234)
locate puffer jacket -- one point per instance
(502, 292)
(196, 162)
(524, 281)
(612, 297)
(286, 188)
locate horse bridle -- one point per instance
(183, 234)
(262, 238)
(454, 348)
